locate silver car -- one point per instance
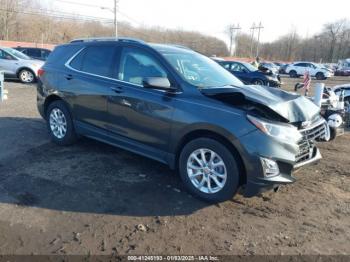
(17, 65)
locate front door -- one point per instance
(8, 63)
(141, 115)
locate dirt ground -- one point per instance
(91, 198)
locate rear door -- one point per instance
(87, 85)
(301, 68)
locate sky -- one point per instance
(212, 17)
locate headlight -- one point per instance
(282, 132)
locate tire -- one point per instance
(258, 82)
(293, 74)
(320, 76)
(229, 171)
(59, 124)
(26, 76)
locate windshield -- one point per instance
(16, 53)
(201, 71)
(250, 67)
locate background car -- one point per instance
(18, 65)
(249, 74)
(346, 87)
(283, 69)
(36, 53)
(342, 72)
(264, 66)
(299, 68)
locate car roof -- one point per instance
(162, 48)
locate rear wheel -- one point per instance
(26, 76)
(293, 74)
(209, 170)
(60, 124)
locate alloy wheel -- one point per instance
(206, 171)
(26, 76)
(58, 123)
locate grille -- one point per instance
(307, 143)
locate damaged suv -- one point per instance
(179, 107)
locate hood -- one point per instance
(292, 107)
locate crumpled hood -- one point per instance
(292, 107)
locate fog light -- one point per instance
(270, 167)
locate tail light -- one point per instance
(41, 72)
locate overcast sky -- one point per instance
(212, 17)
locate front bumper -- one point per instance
(259, 185)
(257, 145)
(274, 83)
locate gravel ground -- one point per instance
(91, 198)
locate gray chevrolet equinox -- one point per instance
(179, 107)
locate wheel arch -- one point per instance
(205, 133)
(25, 68)
(52, 98)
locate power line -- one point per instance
(81, 4)
(52, 14)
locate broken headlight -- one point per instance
(284, 132)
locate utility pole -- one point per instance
(252, 39)
(257, 46)
(115, 17)
(233, 34)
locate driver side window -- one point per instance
(135, 65)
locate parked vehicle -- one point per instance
(344, 64)
(35, 53)
(283, 68)
(249, 74)
(181, 108)
(264, 66)
(346, 87)
(299, 68)
(342, 72)
(18, 66)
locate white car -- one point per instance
(299, 69)
(17, 65)
(338, 89)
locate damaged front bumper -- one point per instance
(258, 185)
(287, 157)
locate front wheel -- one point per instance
(320, 76)
(258, 82)
(26, 76)
(209, 170)
(60, 124)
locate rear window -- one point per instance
(61, 54)
(97, 60)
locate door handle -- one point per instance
(117, 89)
(69, 77)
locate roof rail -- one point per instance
(96, 39)
(180, 46)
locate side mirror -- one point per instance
(161, 83)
